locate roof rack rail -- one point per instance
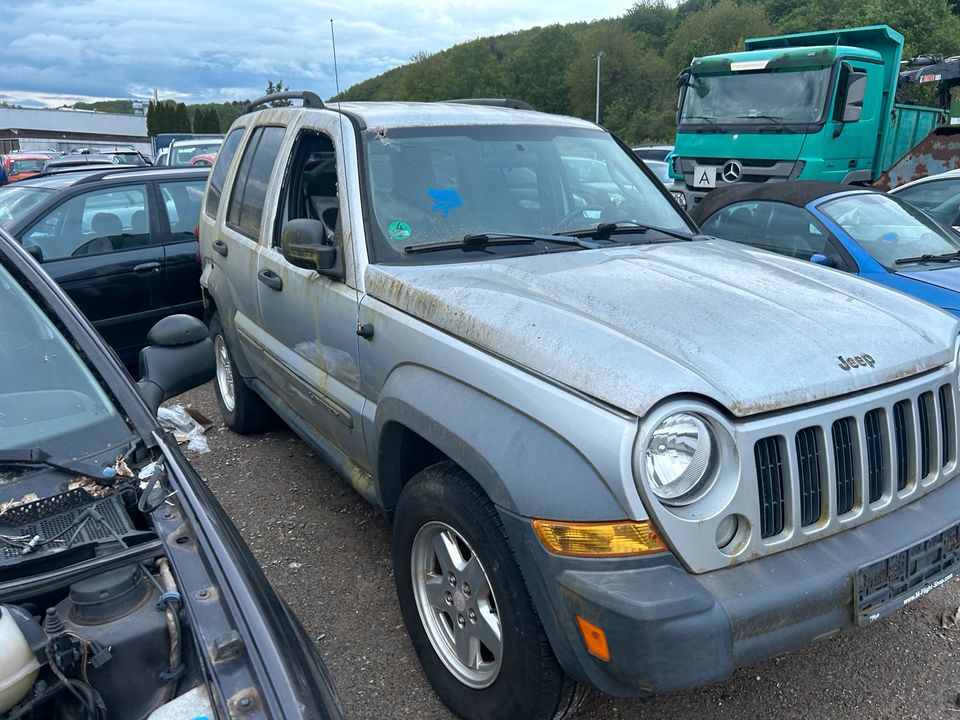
(100, 174)
(494, 102)
(310, 99)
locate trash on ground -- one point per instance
(185, 427)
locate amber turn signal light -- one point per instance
(606, 539)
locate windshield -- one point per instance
(440, 184)
(744, 98)
(48, 398)
(16, 200)
(889, 229)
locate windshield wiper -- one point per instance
(711, 120)
(945, 257)
(774, 118)
(604, 231)
(483, 240)
(36, 456)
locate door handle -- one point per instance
(270, 279)
(220, 246)
(147, 268)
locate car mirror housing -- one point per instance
(302, 244)
(179, 358)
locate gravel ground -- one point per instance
(328, 553)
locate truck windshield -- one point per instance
(756, 98)
(440, 184)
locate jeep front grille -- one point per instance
(855, 464)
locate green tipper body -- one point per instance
(781, 147)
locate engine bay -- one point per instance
(91, 621)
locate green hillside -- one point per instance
(554, 69)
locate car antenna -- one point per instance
(336, 77)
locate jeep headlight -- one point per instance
(680, 458)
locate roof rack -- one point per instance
(310, 99)
(101, 174)
(494, 102)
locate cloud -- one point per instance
(228, 49)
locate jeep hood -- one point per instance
(631, 326)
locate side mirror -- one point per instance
(821, 259)
(302, 244)
(178, 358)
(36, 252)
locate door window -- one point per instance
(776, 227)
(310, 189)
(220, 168)
(93, 223)
(250, 187)
(181, 201)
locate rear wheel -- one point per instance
(242, 409)
(466, 607)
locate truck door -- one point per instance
(310, 320)
(849, 145)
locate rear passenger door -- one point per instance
(103, 248)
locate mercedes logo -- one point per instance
(731, 172)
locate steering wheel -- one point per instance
(578, 214)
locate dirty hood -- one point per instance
(631, 326)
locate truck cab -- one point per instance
(808, 106)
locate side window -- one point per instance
(310, 188)
(940, 198)
(245, 210)
(220, 167)
(775, 227)
(181, 201)
(96, 222)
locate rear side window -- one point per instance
(250, 187)
(219, 172)
(181, 202)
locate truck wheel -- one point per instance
(242, 409)
(466, 607)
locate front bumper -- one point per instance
(670, 630)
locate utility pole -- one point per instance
(598, 55)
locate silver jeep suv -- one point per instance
(616, 453)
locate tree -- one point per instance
(653, 18)
(181, 119)
(719, 28)
(538, 69)
(277, 88)
(151, 119)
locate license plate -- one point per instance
(898, 580)
(704, 176)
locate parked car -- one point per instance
(124, 588)
(71, 162)
(121, 242)
(181, 152)
(22, 166)
(615, 452)
(128, 156)
(661, 169)
(204, 159)
(937, 195)
(653, 152)
(876, 236)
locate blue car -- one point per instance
(877, 236)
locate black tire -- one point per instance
(248, 413)
(529, 683)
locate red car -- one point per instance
(21, 166)
(204, 159)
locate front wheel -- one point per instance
(242, 409)
(466, 607)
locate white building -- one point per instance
(65, 130)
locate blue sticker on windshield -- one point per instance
(444, 200)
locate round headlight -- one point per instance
(680, 457)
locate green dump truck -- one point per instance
(811, 106)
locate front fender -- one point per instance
(521, 463)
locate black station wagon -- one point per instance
(121, 243)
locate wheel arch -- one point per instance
(424, 417)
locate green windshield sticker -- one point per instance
(399, 230)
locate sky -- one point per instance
(56, 52)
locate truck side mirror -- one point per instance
(302, 244)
